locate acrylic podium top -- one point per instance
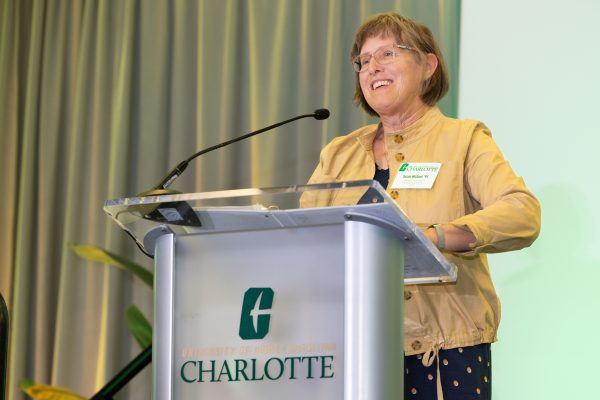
(147, 218)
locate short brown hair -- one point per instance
(411, 33)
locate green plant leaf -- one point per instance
(25, 383)
(97, 254)
(139, 326)
(47, 392)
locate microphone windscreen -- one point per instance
(322, 113)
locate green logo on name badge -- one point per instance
(255, 319)
(403, 167)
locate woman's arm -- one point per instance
(508, 215)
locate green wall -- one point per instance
(530, 71)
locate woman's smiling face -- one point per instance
(393, 88)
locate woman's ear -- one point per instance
(431, 64)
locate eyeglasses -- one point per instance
(383, 55)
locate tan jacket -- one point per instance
(475, 187)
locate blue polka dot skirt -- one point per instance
(465, 372)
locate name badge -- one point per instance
(416, 175)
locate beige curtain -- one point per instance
(100, 98)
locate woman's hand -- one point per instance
(456, 239)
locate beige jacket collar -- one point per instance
(414, 132)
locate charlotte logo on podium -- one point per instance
(256, 316)
(293, 364)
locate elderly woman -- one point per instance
(475, 205)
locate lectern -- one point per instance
(280, 293)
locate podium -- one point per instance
(280, 293)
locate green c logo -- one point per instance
(255, 318)
(403, 167)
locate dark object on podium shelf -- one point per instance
(174, 212)
(125, 375)
(3, 346)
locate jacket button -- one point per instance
(416, 345)
(399, 157)
(394, 194)
(398, 139)
(407, 295)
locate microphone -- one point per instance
(162, 187)
(321, 113)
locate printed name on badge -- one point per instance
(416, 175)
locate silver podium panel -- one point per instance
(250, 323)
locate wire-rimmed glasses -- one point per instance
(383, 55)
